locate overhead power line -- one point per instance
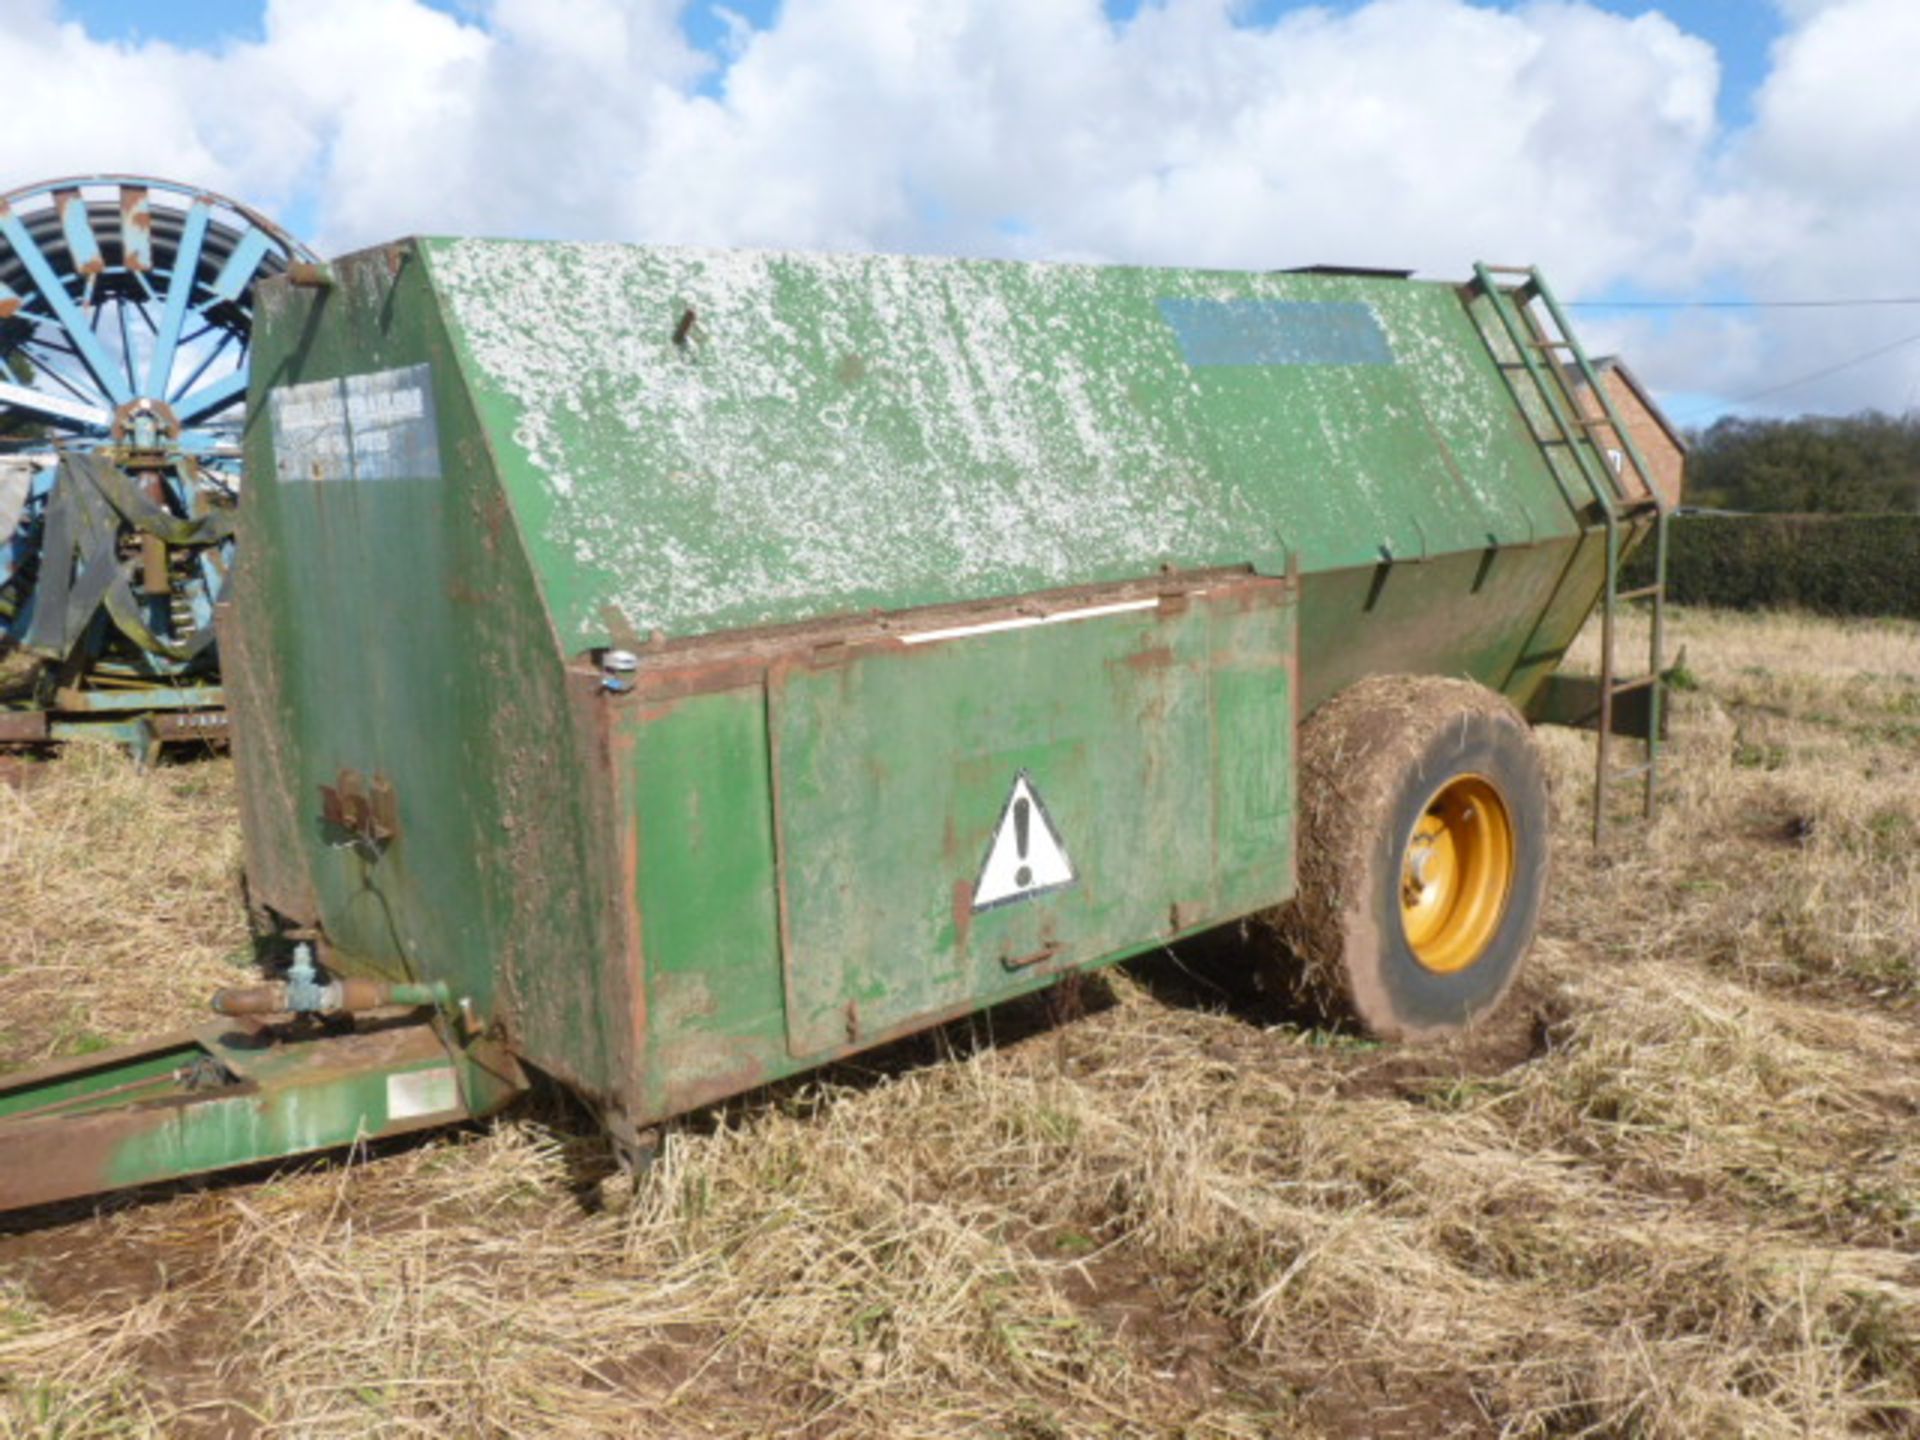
(1821, 374)
(1812, 375)
(1863, 303)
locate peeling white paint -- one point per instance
(844, 431)
(736, 478)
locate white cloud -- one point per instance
(1819, 197)
(369, 101)
(1416, 132)
(75, 105)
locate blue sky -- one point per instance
(1741, 30)
(1636, 149)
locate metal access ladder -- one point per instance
(1623, 497)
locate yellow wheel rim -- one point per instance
(1456, 874)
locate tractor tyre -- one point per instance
(1422, 854)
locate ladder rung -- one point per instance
(1644, 592)
(1636, 772)
(1551, 344)
(1596, 422)
(1638, 682)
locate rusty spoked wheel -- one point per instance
(1456, 873)
(126, 314)
(1422, 853)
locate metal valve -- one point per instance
(305, 992)
(616, 671)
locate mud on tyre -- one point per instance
(1423, 850)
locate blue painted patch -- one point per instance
(1277, 332)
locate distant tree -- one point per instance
(1855, 464)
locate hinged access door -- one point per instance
(959, 810)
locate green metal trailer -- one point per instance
(667, 671)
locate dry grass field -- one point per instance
(1673, 1191)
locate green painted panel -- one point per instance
(389, 624)
(1253, 754)
(297, 1098)
(224, 1096)
(899, 770)
(710, 923)
(698, 441)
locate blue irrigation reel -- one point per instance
(125, 314)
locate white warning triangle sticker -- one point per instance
(1027, 856)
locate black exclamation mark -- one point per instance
(1022, 811)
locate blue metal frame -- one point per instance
(129, 300)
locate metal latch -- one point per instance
(369, 813)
